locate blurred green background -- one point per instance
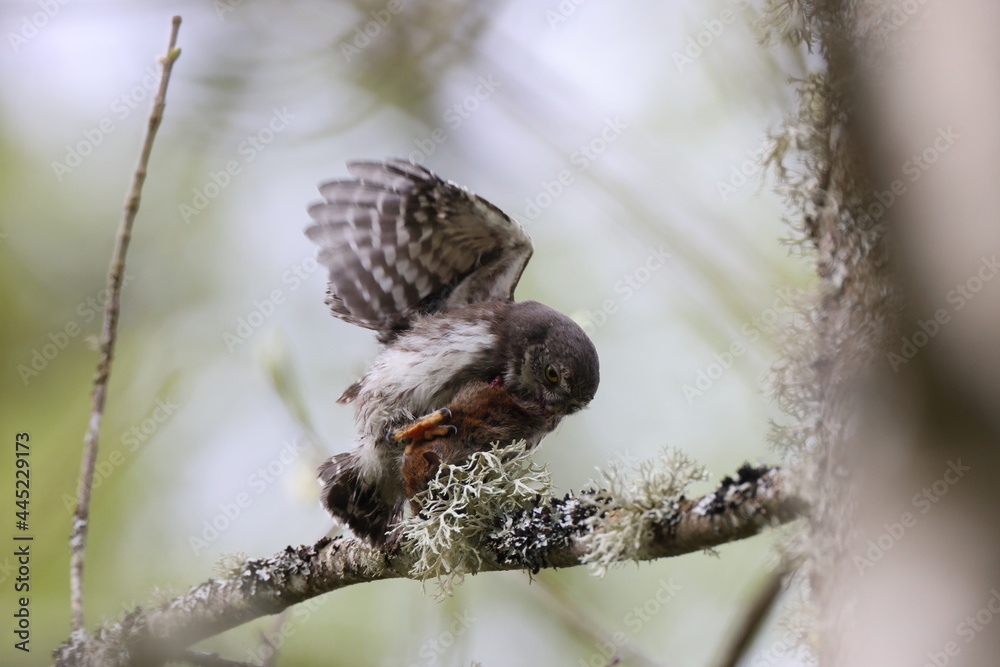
(616, 132)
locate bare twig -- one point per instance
(109, 334)
(587, 627)
(753, 620)
(269, 649)
(551, 533)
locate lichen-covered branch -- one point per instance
(548, 532)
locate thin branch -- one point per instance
(753, 619)
(553, 532)
(586, 627)
(109, 334)
(269, 649)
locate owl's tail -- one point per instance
(357, 500)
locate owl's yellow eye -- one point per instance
(551, 374)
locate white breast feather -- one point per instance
(408, 378)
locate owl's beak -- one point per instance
(571, 406)
(555, 408)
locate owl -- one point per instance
(431, 268)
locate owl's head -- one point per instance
(549, 359)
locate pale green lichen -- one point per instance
(230, 564)
(641, 497)
(460, 509)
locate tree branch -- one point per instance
(553, 532)
(586, 627)
(753, 620)
(109, 334)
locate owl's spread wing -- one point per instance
(399, 241)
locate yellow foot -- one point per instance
(426, 428)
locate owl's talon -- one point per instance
(426, 428)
